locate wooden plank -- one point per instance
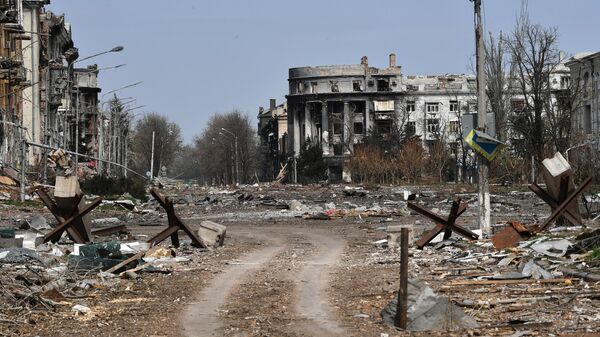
(126, 262)
(160, 237)
(502, 282)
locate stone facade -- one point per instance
(336, 106)
(585, 69)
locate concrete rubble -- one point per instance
(473, 282)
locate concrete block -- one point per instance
(212, 233)
(393, 235)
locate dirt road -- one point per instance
(299, 259)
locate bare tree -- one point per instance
(534, 58)
(499, 75)
(167, 142)
(216, 147)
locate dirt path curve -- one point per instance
(312, 283)
(201, 318)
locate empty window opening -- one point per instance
(358, 128)
(334, 86)
(587, 119)
(357, 85)
(454, 106)
(411, 128)
(383, 85)
(337, 127)
(517, 105)
(357, 107)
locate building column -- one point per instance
(346, 128)
(324, 129)
(296, 130)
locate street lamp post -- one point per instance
(237, 167)
(232, 162)
(101, 136)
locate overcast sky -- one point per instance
(201, 57)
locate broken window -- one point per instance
(454, 106)
(313, 87)
(357, 85)
(587, 119)
(473, 106)
(433, 107)
(334, 86)
(384, 128)
(357, 107)
(383, 85)
(517, 105)
(454, 148)
(410, 106)
(299, 87)
(358, 128)
(564, 82)
(337, 127)
(411, 128)
(433, 125)
(453, 127)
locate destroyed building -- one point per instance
(336, 106)
(57, 52)
(13, 79)
(585, 70)
(85, 92)
(272, 132)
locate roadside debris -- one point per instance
(428, 311)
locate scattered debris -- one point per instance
(428, 311)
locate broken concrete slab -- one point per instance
(428, 311)
(38, 222)
(554, 248)
(212, 234)
(531, 269)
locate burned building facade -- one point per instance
(585, 71)
(13, 79)
(57, 52)
(272, 132)
(85, 121)
(335, 107)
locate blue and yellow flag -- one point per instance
(484, 144)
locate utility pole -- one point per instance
(152, 159)
(237, 166)
(483, 183)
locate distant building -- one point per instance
(337, 106)
(272, 131)
(585, 69)
(85, 105)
